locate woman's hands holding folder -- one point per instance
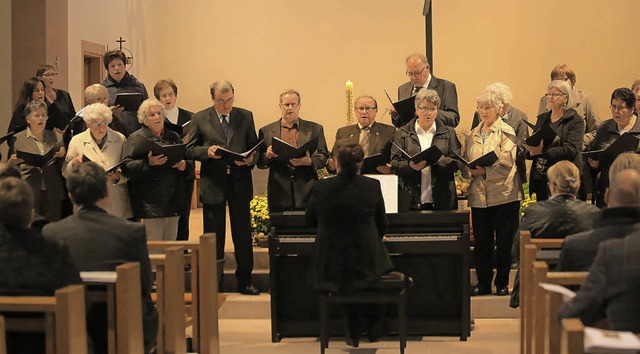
(14, 160)
(479, 171)
(157, 160)
(180, 165)
(61, 153)
(535, 150)
(418, 166)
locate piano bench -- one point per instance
(390, 288)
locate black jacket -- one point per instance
(442, 179)
(558, 217)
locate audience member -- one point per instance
(99, 241)
(9, 170)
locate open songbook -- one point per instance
(182, 130)
(287, 152)
(232, 156)
(370, 163)
(485, 160)
(626, 142)
(406, 108)
(431, 155)
(38, 160)
(173, 152)
(108, 170)
(547, 134)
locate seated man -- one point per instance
(99, 241)
(30, 264)
(619, 219)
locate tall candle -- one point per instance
(349, 102)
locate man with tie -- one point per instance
(374, 137)
(419, 73)
(221, 182)
(290, 182)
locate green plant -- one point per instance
(259, 208)
(526, 200)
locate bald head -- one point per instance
(624, 190)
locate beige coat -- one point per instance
(501, 184)
(108, 156)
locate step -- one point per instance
(260, 258)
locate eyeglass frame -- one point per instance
(415, 73)
(221, 101)
(365, 109)
(617, 108)
(427, 109)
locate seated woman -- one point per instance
(568, 125)
(348, 254)
(156, 189)
(623, 120)
(46, 181)
(494, 195)
(103, 146)
(430, 187)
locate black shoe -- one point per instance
(353, 341)
(502, 291)
(248, 290)
(480, 290)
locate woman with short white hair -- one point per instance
(104, 146)
(156, 188)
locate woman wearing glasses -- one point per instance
(60, 98)
(103, 146)
(430, 187)
(623, 103)
(569, 127)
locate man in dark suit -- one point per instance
(290, 182)
(99, 241)
(621, 218)
(611, 290)
(376, 136)
(419, 74)
(221, 182)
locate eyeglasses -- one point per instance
(365, 109)
(415, 73)
(221, 101)
(618, 108)
(50, 74)
(554, 95)
(427, 109)
(98, 125)
(289, 105)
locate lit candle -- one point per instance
(349, 102)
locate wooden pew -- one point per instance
(121, 291)
(546, 331)
(572, 341)
(529, 248)
(64, 321)
(3, 341)
(170, 301)
(204, 290)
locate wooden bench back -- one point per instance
(64, 320)
(3, 341)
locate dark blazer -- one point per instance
(99, 241)
(128, 84)
(35, 176)
(283, 177)
(155, 191)
(579, 250)
(448, 112)
(516, 119)
(348, 253)
(611, 289)
(559, 217)
(380, 136)
(207, 131)
(605, 136)
(442, 179)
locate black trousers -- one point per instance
(185, 213)
(214, 216)
(503, 221)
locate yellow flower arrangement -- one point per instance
(259, 209)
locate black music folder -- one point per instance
(182, 130)
(370, 163)
(431, 155)
(232, 156)
(109, 169)
(131, 101)
(173, 152)
(485, 160)
(406, 108)
(547, 134)
(38, 160)
(287, 152)
(626, 142)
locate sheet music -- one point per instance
(389, 186)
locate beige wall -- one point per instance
(6, 104)
(264, 47)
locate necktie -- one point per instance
(364, 140)
(415, 90)
(224, 121)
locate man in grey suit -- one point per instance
(99, 241)
(290, 182)
(374, 137)
(221, 181)
(419, 73)
(620, 218)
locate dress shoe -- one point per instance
(352, 341)
(503, 291)
(248, 290)
(480, 290)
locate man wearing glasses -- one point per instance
(374, 137)
(290, 182)
(419, 73)
(222, 182)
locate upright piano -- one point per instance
(430, 246)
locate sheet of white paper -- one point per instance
(603, 341)
(389, 186)
(98, 277)
(567, 293)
